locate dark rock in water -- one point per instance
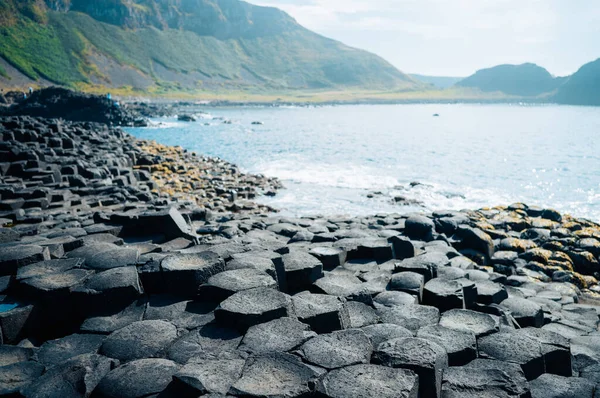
(184, 273)
(301, 270)
(526, 312)
(554, 386)
(15, 376)
(322, 312)
(460, 346)
(186, 118)
(412, 316)
(209, 342)
(54, 352)
(515, 348)
(208, 376)
(224, 284)
(251, 307)
(469, 321)
(137, 379)
(13, 257)
(369, 381)
(427, 359)
(279, 335)
(77, 377)
(61, 103)
(469, 382)
(287, 375)
(385, 331)
(448, 294)
(338, 349)
(139, 340)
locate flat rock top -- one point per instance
(509, 347)
(411, 351)
(370, 381)
(279, 335)
(299, 260)
(338, 349)
(48, 267)
(274, 375)
(242, 279)
(307, 304)
(192, 261)
(138, 340)
(469, 321)
(11, 253)
(255, 301)
(57, 281)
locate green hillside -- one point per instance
(527, 80)
(581, 88)
(437, 81)
(181, 45)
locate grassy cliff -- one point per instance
(198, 45)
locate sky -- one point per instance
(458, 37)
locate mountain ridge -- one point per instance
(165, 45)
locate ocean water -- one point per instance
(331, 158)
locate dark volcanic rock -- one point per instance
(301, 270)
(139, 340)
(208, 376)
(137, 379)
(409, 282)
(526, 312)
(419, 227)
(77, 377)
(412, 316)
(210, 342)
(274, 375)
(279, 335)
(13, 257)
(449, 294)
(469, 382)
(15, 376)
(460, 346)
(427, 359)
(322, 312)
(469, 321)
(54, 352)
(184, 273)
(370, 381)
(338, 349)
(515, 348)
(251, 307)
(385, 331)
(553, 386)
(221, 286)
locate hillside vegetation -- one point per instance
(583, 87)
(181, 45)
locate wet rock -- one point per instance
(460, 346)
(208, 376)
(251, 307)
(427, 359)
(526, 312)
(279, 335)
(338, 349)
(57, 351)
(77, 377)
(412, 317)
(13, 257)
(554, 386)
(301, 270)
(208, 342)
(184, 273)
(287, 376)
(369, 381)
(470, 322)
(449, 294)
(515, 348)
(322, 312)
(137, 379)
(225, 284)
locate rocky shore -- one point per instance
(131, 269)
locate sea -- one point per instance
(374, 159)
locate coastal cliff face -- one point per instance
(178, 45)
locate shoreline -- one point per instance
(118, 256)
